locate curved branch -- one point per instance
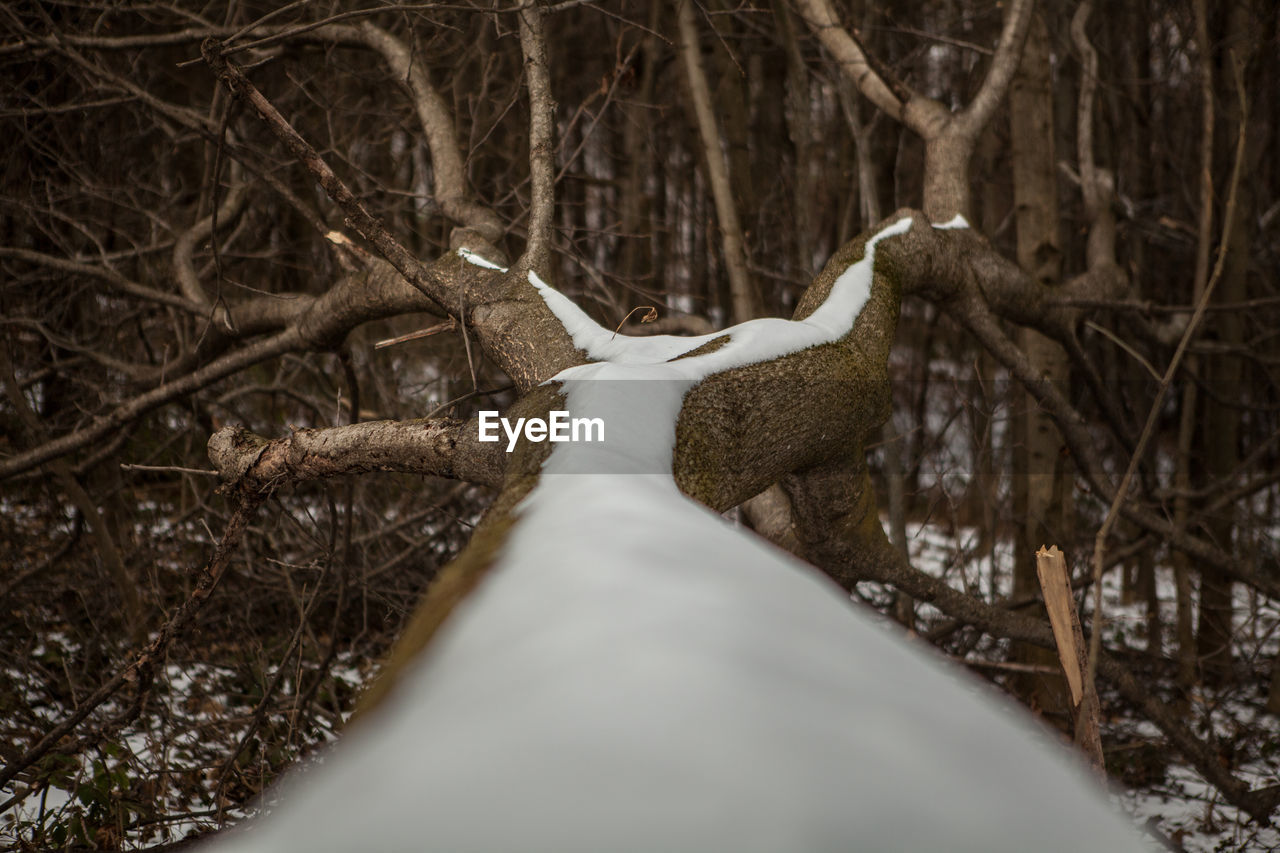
(960, 272)
(447, 168)
(949, 138)
(515, 326)
(1084, 106)
(853, 62)
(1096, 185)
(190, 35)
(317, 322)
(183, 267)
(1004, 65)
(433, 113)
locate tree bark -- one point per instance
(1038, 505)
(745, 300)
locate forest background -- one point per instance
(170, 267)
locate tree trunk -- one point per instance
(1039, 253)
(1225, 371)
(744, 299)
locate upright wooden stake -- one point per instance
(1051, 567)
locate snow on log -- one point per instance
(635, 674)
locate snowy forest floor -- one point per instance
(1175, 807)
(224, 716)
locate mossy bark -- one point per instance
(738, 432)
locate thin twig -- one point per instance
(466, 339)
(253, 25)
(467, 396)
(168, 469)
(447, 326)
(650, 316)
(49, 560)
(1115, 339)
(1148, 430)
(260, 712)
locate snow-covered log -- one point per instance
(631, 672)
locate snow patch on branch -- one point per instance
(642, 418)
(749, 343)
(478, 261)
(957, 221)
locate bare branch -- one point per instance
(370, 229)
(1004, 65)
(440, 447)
(105, 273)
(541, 145)
(949, 139)
(190, 35)
(437, 125)
(1204, 235)
(976, 285)
(1096, 185)
(108, 550)
(853, 62)
(287, 341)
(168, 469)
(515, 327)
(183, 267)
(827, 499)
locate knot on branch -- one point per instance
(211, 52)
(233, 450)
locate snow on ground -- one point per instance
(163, 755)
(1191, 815)
(1182, 809)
